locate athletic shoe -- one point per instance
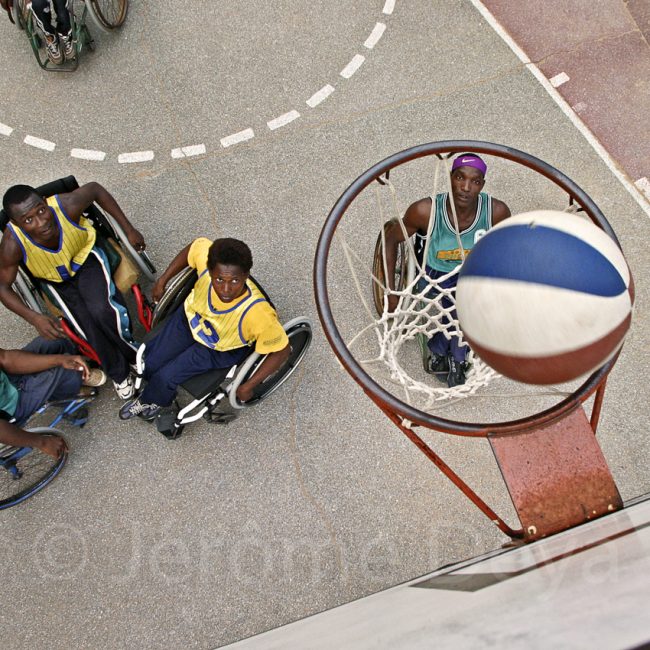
(137, 408)
(437, 364)
(54, 53)
(456, 376)
(126, 388)
(67, 45)
(96, 378)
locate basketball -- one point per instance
(545, 297)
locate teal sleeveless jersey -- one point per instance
(444, 254)
(8, 395)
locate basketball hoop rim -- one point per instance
(385, 400)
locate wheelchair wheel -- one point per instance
(18, 13)
(25, 471)
(28, 293)
(107, 14)
(378, 268)
(299, 332)
(177, 290)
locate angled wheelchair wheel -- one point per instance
(18, 13)
(25, 471)
(28, 293)
(177, 290)
(107, 14)
(378, 268)
(299, 332)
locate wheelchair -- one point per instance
(125, 262)
(107, 15)
(25, 471)
(213, 395)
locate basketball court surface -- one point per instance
(249, 121)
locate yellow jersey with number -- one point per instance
(227, 326)
(61, 263)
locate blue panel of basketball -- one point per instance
(543, 255)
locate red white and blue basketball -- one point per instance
(545, 297)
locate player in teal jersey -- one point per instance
(476, 212)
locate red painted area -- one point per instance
(603, 47)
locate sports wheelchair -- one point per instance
(213, 395)
(25, 471)
(107, 15)
(125, 262)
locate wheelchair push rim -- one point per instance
(299, 331)
(107, 15)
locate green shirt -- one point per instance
(8, 395)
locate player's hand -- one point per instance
(158, 290)
(244, 393)
(136, 239)
(75, 362)
(54, 446)
(48, 327)
(392, 303)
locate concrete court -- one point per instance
(313, 499)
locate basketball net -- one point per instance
(420, 313)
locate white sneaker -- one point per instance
(54, 53)
(126, 388)
(67, 44)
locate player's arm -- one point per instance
(174, 268)
(75, 202)
(12, 435)
(272, 363)
(10, 257)
(415, 218)
(20, 362)
(500, 211)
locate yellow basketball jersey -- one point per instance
(219, 329)
(61, 263)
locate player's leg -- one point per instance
(43, 19)
(64, 27)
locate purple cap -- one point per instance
(469, 160)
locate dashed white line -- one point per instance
(236, 138)
(320, 96)
(39, 143)
(353, 66)
(559, 79)
(5, 130)
(88, 154)
(135, 156)
(186, 152)
(644, 185)
(283, 120)
(389, 6)
(375, 35)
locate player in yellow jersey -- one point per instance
(57, 244)
(225, 315)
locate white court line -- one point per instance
(283, 120)
(644, 186)
(320, 96)
(559, 79)
(353, 66)
(389, 6)
(39, 143)
(235, 138)
(88, 154)
(375, 35)
(563, 105)
(5, 130)
(135, 157)
(186, 152)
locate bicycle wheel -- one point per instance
(107, 14)
(299, 332)
(25, 471)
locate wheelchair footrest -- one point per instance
(167, 423)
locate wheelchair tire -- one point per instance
(26, 291)
(176, 291)
(35, 470)
(107, 14)
(299, 332)
(401, 269)
(18, 13)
